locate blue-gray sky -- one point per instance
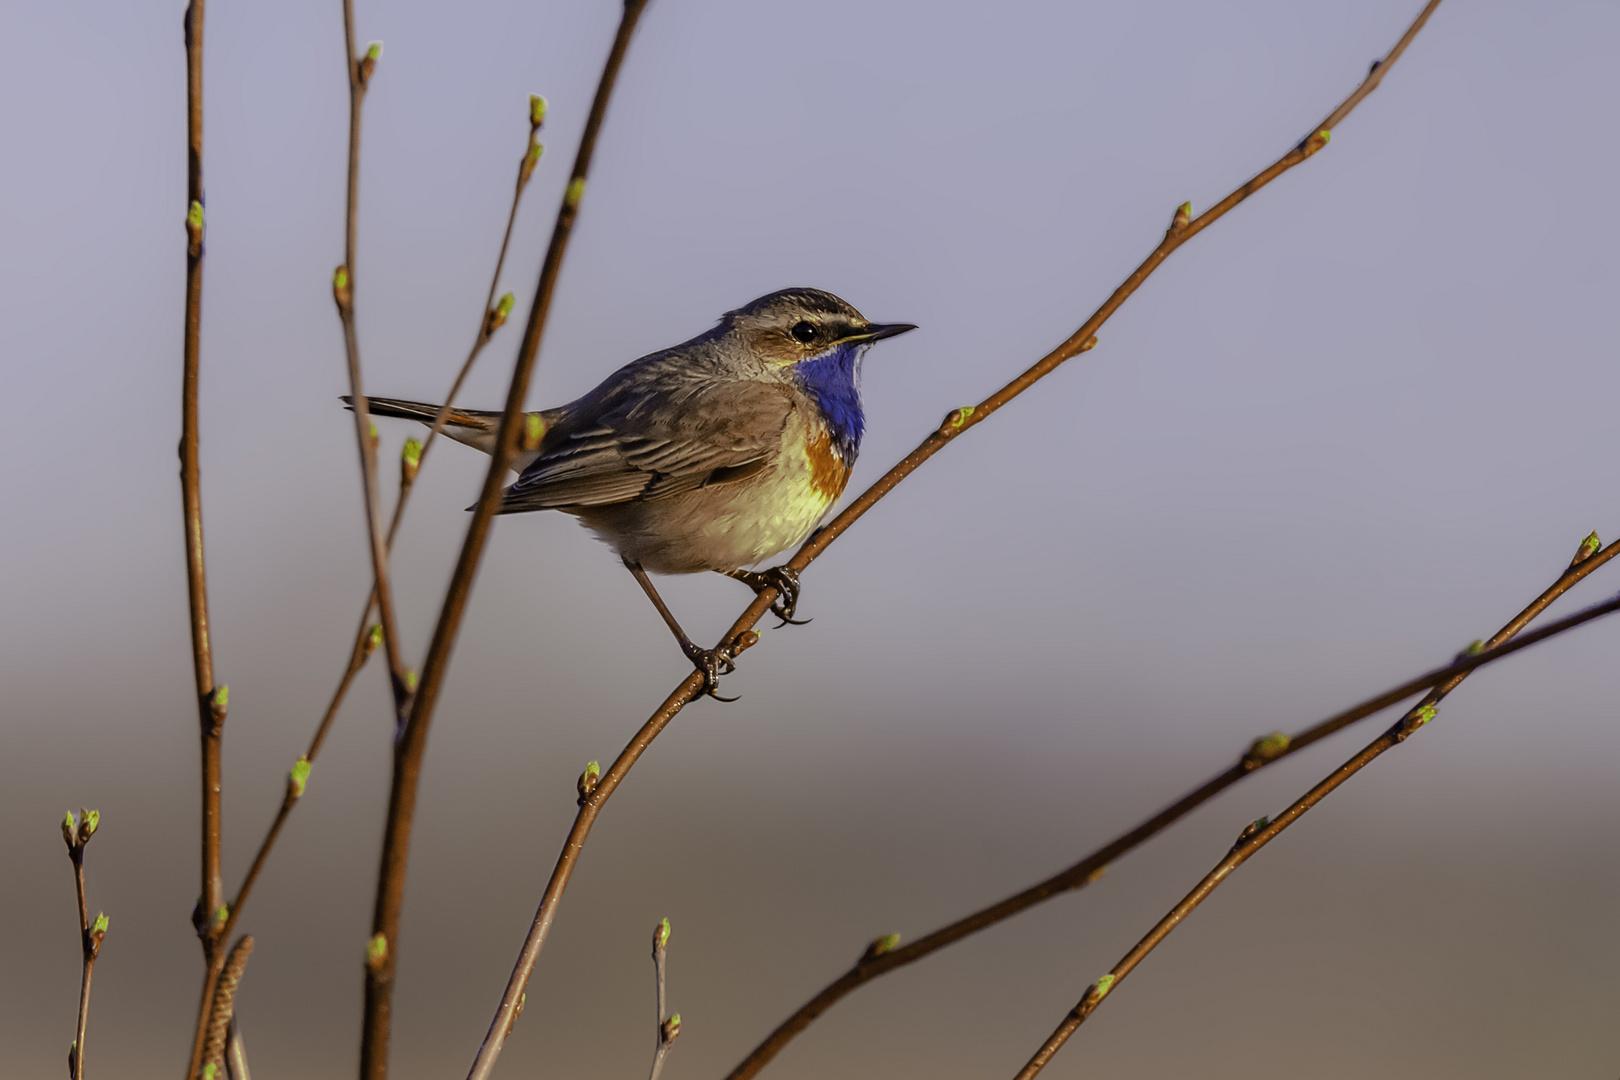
(1354, 426)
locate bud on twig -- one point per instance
(194, 229)
(1103, 985)
(1089, 344)
(1316, 142)
(670, 1029)
(1267, 748)
(517, 1011)
(410, 460)
(588, 780)
(955, 419)
(410, 680)
(368, 62)
(879, 946)
(531, 158)
(497, 315)
(1249, 830)
(661, 935)
(89, 822)
(97, 932)
(70, 831)
(217, 703)
(575, 192)
(298, 777)
(341, 291)
(1424, 715)
(377, 951)
(745, 641)
(1180, 220)
(1588, 548)
(373, 639)
(537, 110)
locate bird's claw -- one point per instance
(786, 583)
(711, 664)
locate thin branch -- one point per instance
(360, 69)
(1262, 832)
(211, 700)
(1183, 227)
(369, 636)
(77, 834)
(666, 1030)
(382, 953)
(236, 1063)
(1263, 752)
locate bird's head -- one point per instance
(795, 326)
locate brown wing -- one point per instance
(718, 433)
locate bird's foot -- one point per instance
(711, 664)
(786, 583)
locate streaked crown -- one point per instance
(794, 325)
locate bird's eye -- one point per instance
(804, 333)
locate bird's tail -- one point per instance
(474, 427)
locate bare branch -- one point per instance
(1263, 752)
(383, 954)
(211, 700)
(1262, 832)
(224, 1009)
(77, 834)
(370, 635)
(665, 1030)
(1184, 226)
(360, 69)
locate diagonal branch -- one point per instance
(1263, 752)
(1262, 832)
(1183, 227)
(382, 952)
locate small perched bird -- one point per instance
(713, 455)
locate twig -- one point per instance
(369, 636)
(1183, 227)
(667, 1030)
(77, 834)
(1263, 831)
(382, 952)
(1263, 752)
(236, 1063)
(360, 70)
(211, 700)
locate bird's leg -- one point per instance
(713, 663)
(786, 584)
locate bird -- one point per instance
(713, 455)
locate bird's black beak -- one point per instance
(879, 331)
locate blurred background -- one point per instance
(1356, 425)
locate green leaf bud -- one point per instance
(661, 935)
(298, 777)
(410, 460)
(537, 110)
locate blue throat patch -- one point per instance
(833, 381)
